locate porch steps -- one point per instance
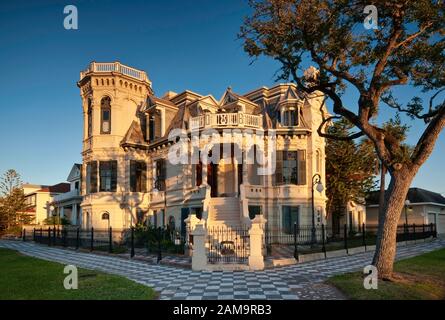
(225, 211)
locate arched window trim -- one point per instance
(103, 109)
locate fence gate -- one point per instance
(227, 245)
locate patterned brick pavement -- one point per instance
(301, 281)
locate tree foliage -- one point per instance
(350, 170)
(13, 205)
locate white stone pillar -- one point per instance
(256, 233)
(74, 214)
(199, 258)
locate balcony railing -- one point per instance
(114, 67)
(221, 120)
(67, 195)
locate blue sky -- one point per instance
(180, 44)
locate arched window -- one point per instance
(105, 112)
(90, 118)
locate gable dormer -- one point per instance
(232, 102)
(289, 106)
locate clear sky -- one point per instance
(180, 44)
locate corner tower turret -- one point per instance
(112, 95)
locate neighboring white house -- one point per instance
(422, 207)
(127, 174)
(67, 204)
(38, 197)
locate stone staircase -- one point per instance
(224, 212)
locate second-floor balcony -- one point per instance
(226, 120)
(67, 196)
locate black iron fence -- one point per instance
(140, 240)
(307, 239)
(227, 245)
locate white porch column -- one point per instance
(74, 214)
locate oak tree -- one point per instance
(406, 49)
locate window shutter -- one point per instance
(198, 178)
(301, 167)
(279, 168)
(113, 165)
(133, 176)
(143, 172)
(285, 219)
(93, 176)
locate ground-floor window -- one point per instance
(290, 216)
(254, 211)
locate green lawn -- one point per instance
(23, 277)
(419, 278)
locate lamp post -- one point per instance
(316, 181)
(53, 213)
(407, 203)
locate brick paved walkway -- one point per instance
(301, 281)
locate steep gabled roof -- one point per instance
(75, 172)
(229, 97)
(152, 100)
(134, 136)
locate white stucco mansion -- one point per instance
(126, 171)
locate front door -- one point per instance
(212, 179)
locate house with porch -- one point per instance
(163, 160)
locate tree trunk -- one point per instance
(387, 232)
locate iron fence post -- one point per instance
(406, 233)
(267, 240)
(34, 235)
(54, 236)
(414, 232)
(364, 235)
(110, 239)
(346, 238)
(92, 239)
(423, 232)
(77, 238)
(132, 242)
(49, 237)
(159, 245)
(24, 234)
(65, 236)
(296, 256)
(323, 248)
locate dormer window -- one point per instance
(289, 117)
(105, 111)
